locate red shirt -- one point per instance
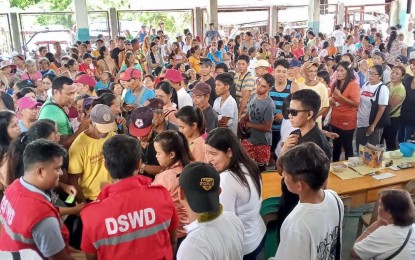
(297, 52)
(130, 220)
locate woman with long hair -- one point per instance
(130, 62)
(397, 94)
(172, 153)
(176, 56)
(146, 45)
(105, 62)
(240, 181)
(264, 53)
(168, 95)
(394, 48)
(191, 123)
(72, 67)
(87, 66)
(324, 50)
(10, 131)
(154, 59)
(386, 235)
(344, 101)
(195, 56)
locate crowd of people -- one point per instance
(153, 147)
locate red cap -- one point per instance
(86, 80)
(131, 73)
(173, 75)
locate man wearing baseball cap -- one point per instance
(141, 127)
(87, 171)
(86, 85)
(137, 93)
(206, 77)
(175, 78)
(201, 93)
(160, 123)
(28, 107)
(212, 232)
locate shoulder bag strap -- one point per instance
(402, 246)
(243, 79)
(53, 104)
(139, 96)
(16, 255)
(338, 243)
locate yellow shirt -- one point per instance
(86, 158)
(195, 64)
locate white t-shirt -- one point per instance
(221, 238)
(385, 241)
(340, 36)
(310, 231)
(25, 254)
(366, 95)
(186, 48)
(286, 129)
(183, 98)
(349, 49)
(236, 198)
(323, 53)
(228, 109)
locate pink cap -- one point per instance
(27, 102)
(86, 80)
(131, 73)
(173, 75)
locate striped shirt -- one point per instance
(246, 82)
(278, 98)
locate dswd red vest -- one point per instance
(130, 220)
(20, 210)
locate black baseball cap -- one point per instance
(206, 62)
(200, 182)
(141, 121)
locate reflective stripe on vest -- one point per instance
(132, 236)
(15, 236)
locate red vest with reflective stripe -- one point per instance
(129, 220)
(20, 211)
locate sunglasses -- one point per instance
(157, 110)
(294, 112)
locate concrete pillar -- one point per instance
(213, 12)
(197, 21)
(273, 20)
(340, 13)
(394, 10)
(14, 23)
(402, 13)
(81, 15)
(113, 23)
(314, 15)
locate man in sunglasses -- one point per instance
(303, 112)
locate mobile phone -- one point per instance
(405, 165)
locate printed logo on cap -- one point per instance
(207, 183)
(106, 117)
(139, 123)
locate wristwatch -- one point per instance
(142, 168)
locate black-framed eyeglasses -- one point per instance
(294, 112)
(373, 73)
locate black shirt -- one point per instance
(211, 119)
(148, 155)
(316, 136)
(212, 85)
(408, 107)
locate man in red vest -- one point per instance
(130, 218)
(28, 218)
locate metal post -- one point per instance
(81, 14)
(113, 22)
(17, 44)
(213, 12)
(273, 26)
(314, 15)
(198, 21)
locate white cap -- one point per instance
(179, 34)
(261, 63)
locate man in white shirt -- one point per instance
(175, 78)
(409, 38)
(340, 36)
(313, 229)
(225, 105)
(212, 234)
(349, 47)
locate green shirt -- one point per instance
(56, 114)
(397, 90)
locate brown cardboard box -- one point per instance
(371, 155)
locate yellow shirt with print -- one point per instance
(323, 92)
(86, 158)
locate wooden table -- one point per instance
(361, 190)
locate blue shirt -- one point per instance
(218, 54)
(130, 98)
(101, 85)
(22, 127)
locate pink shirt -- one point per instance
(298, 52)
(33, 77)
(169, 180)
(198, 149)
